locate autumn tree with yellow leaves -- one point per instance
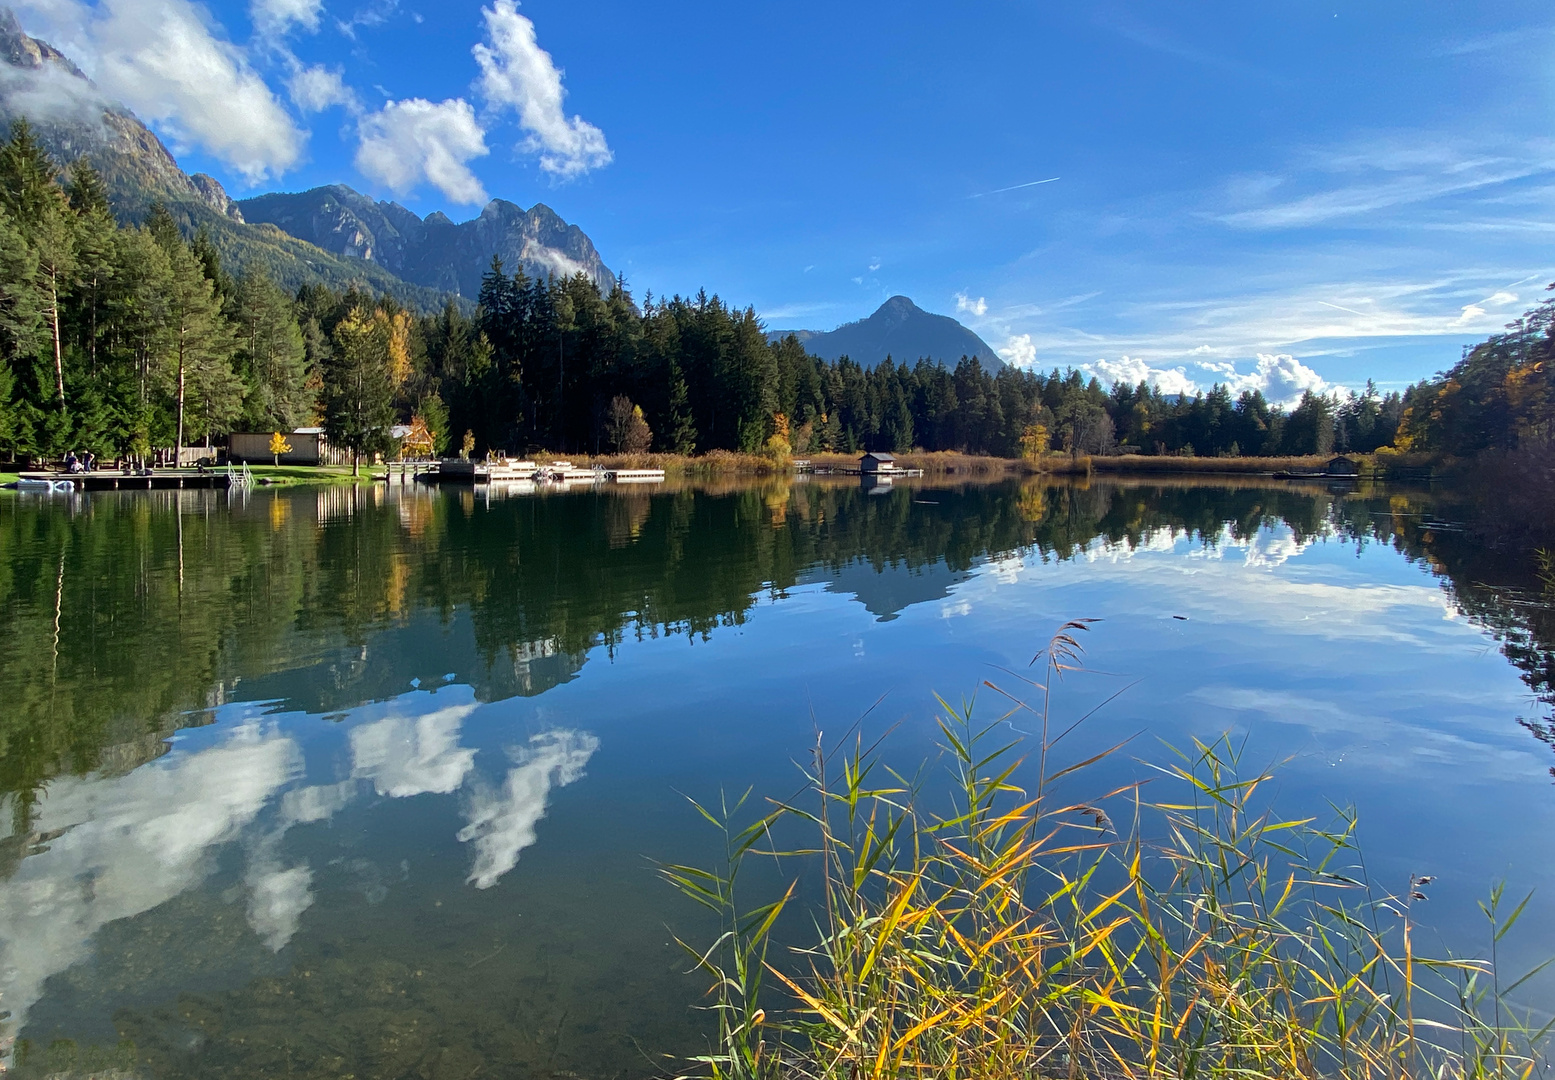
(279, 446)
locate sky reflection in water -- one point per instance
(328, 826)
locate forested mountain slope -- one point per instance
(433, 252)
(73, 120)
(899, 329)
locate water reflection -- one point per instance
(107, 848)
(502, 821)
(111, 848)
(270, 768)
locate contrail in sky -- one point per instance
(1014, 187)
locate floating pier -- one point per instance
(137, 480)
(551, 474)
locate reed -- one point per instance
(1022, 934)
(1150, 463)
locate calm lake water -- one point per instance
(328, 782)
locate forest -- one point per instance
(127, 339)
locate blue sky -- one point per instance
(1344, 191)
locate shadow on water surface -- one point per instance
(256, 822)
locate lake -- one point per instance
(333, 781)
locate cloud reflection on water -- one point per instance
(122, 846)
(502, 823)
(413, 755)
(127, 845)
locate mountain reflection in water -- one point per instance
(325, 780)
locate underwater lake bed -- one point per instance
(373, 780)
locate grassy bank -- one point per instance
(1019, 934)
(313, 474)
(937, 463)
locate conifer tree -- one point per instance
(272, 353)
(358, 387)
(197, 342)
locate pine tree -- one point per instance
(358, 387)
(96, 233)
(272, 353)
(31, 195)
(197, 342)
(680, 432)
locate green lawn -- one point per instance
(309, 474)
(8, 477)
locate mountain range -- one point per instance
(433, 252)
(342, 237)
(900, 329)
(329, 234)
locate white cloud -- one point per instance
(51, 92)
(1019, 351)
(517, 74)
(1281, 378)
(411, 141)
(1370, 177)
(406, 756)
(316, 88)
(502, 823)
(977, 306)
(554, 261)
(276, 17)
(1133, 371)
(164, 60)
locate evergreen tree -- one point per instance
(197, 342)
(272, 355)
(359, 388)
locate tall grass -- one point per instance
(1024, 934)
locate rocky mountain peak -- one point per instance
(434, 251)
(73, 120)
(215, 196)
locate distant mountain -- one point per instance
(72, 119)
(899, 329)
(433, 252)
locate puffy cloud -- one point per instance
(517, 74)
(1019, 350)
(1132, 370)
(316, 88)
(977, 306)
(276, 17)
(1282, 378)
(406, 756)
(411, 141)
(502, 823)
(168, 64)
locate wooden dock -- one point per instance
(117, 480)
(554, 474)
